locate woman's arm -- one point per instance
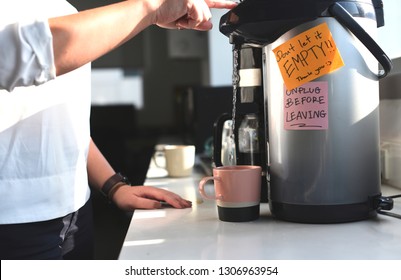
(83, 37)
(126, 197)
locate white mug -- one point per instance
(179, 159)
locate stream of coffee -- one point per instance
(235, 78)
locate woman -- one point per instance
(47, 158)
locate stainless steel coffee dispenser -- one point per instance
(321, 102)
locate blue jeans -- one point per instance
(69, 237)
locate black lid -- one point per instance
(263, 21)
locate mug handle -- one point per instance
(202, 184)
(156, 154)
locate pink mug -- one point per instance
(237, 192)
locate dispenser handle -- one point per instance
(217, 138)
(345, 18)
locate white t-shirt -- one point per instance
(44, 119)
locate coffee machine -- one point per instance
(318, 106)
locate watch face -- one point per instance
(125, 180)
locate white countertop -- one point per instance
(198, 234)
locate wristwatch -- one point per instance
(112, 182)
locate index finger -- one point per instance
(221, 4)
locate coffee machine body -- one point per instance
(321, 101)
(324, 154)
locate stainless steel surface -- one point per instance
(338, 165)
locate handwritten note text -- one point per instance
(307, 56)
(306, 107)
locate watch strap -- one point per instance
(112, 181)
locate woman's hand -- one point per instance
(188, 14)
(129, 198)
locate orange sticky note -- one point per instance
(307, 56)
